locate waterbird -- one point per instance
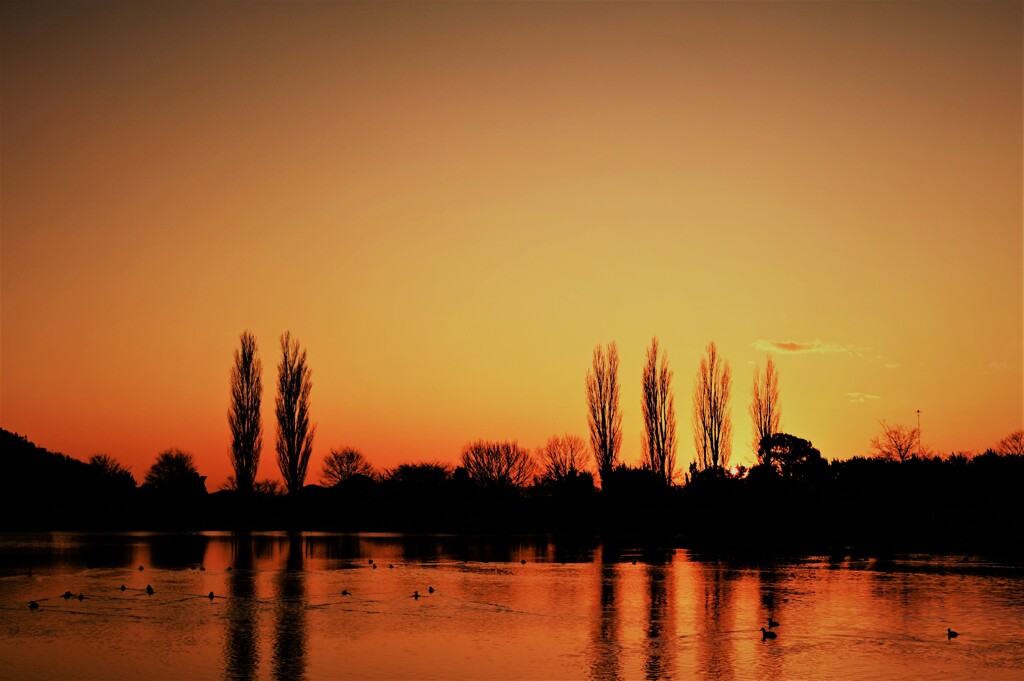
(430, 589)
(765, 634)
(374, 566)
(211, 595)
(951, 634)
(634, 562)
(124, 588)
(149, 589)
(32, 605)
(80, 596)
(371, 561)
(229, 568)
(344, 592)
(66, 595)
(202, 568)
(772, 623)
(416, 594)
(141, 568)
(390, 566)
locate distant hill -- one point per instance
(40, 489)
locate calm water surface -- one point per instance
(568, 612)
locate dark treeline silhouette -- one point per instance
(795, 500)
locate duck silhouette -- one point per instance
(416, 594)
(772, 623)
(149, 589)
(951, 634)
(141, 568)
(430, 589)
(67, 595)
(344, 592)
(80, 597)
(211, 596)
(765, 634)
(32, 605)
(124, 588)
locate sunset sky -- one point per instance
(451, 204)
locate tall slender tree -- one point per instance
(294, 432)
(658, 405)
(603, 413)
(712, 420)
(764, 405)
(244, 413)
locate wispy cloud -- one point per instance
(788, 347)
(893, 365)
(999, 366)
(862, 397)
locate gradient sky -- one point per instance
(451, 204)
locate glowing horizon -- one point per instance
(449, 206)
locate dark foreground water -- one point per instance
(568, 612)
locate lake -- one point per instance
(525, 608)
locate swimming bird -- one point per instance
(522, 562)
(951, 634)
(141, 568)
(416, 594)
(67, 595)
(80, 597)
(430, 589)
(202, 568)
(344, 592)
(634, 562)
(124, 588)
(229, 568)
(371, 561)
(765, 634)
(390, 566)
(32, 605)
(374, 566)
(772, 623)
(211, 596)
(149, 590)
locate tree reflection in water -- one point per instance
(659, 645)
(290, 626)
(241, 645)
(606, 645)
(714, 644)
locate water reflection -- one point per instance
(241, 646)
(290, 605)
(714, 643)
(659, 648)
(606, 646)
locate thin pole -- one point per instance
(919, 432)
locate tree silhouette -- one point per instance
(896, 442)
(244, 413)
(603, 414)
(294, 432)
(789, 455)
(764, 404)
(563, 457)
(1012, 444)
(658, 405)
(175, 472)
(112, 469)
(498, 464)
(712, 421)
(342, 464)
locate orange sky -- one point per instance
(450, 204)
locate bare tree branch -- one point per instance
(712, 420)
(658, 405)
(342, 464)
(603, 414)
(896, 442)
(244, 413)
(498, 464)
(764, 405)
(294, 432)
(563, 457)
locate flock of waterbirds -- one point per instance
(766, 633)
